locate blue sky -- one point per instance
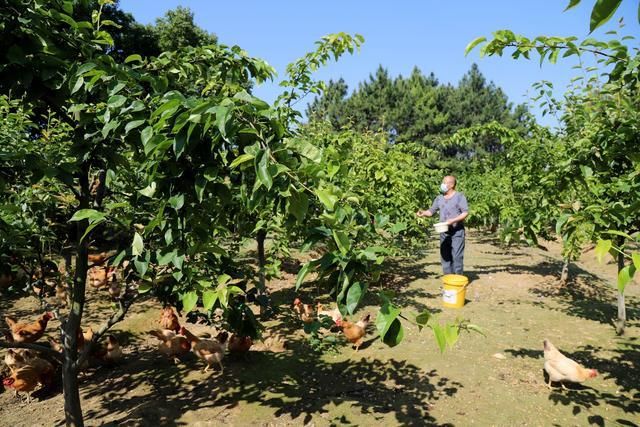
(399, 35)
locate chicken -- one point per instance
(62, 296)
(239, 344)
(28, 332)
(211, 351)
(169, 320)
(560, 368)
(304, 311)
(17, 358)
(172, 345)
(25, 379)
(354, 332)
(334, 314)
(100, 277)
(98, 258)
(108, 353)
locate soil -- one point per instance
(495, 379)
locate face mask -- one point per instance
(443, 188)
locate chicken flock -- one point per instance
(28, 369)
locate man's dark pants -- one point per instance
(452, 251)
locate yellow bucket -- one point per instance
(454, 290)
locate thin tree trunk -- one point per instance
(71, 391)
(622, 310)
(262, 285)
(564, 276)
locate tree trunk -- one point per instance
(564, 276)
(262, 285)
(71, 392)
(72, 404)
(622, 310)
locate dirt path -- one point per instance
(512, 296)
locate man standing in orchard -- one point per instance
(453, 209)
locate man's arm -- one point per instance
(431, 211)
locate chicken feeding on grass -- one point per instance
(169, 320)
(305, 312)
(28, 332)
(355, 332)
(172, 345)
(560, 368)
(211, 351)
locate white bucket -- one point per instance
(441, 227)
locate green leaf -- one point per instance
(132, 125)
(144, 287)
(116, 101)
(384, 320)
(167, 257)
(625, 276)
(131, 58)
(303, 273)
(262, 169)
(78, 85)
(241, 159)
(90, 214)
(602, 11)
(92, 225)
(342, 241)
(572, 4)
(327, 198)
(423, 318)
(223, 114)
(451, 335)
(177, 201)
(602, 248)
(473, 44)
(149, 190)
(394, 334)
(636, 260)
(354, 295)
(298, 205)
(189, 301)
(141, 266)
(138, 245)
(441, 340)
(475, 328)
(209, 299)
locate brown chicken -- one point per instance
(305, 312)
(28, 332)
(211, 351)
(171, 345)
(560, 368)
(354, 332)
(27, 377)
(108, 353)
(169, 320)
(17, 358)
(98, 258)
(101, 277)
(239, 345)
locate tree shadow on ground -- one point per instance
(620, 365)
(586, 295)
(299, 386)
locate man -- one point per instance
(453, 210)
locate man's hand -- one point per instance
(423, 213)
(450, 222)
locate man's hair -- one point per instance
(451, 177)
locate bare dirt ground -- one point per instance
(513, 296)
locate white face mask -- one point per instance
(444, 188)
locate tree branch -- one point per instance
(42, 349)
(115, 318)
